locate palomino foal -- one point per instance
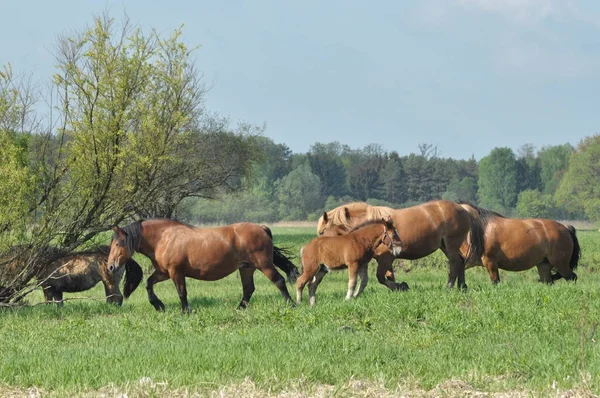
(353, 251)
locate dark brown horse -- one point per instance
(515, 244)
(353, 250)
(177, 250)
(77, 272)
(423, 229)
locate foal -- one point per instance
(353, 251)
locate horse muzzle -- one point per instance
(112, 267)
(396, 250)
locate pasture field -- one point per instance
(519, 338)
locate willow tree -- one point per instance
(130, 137)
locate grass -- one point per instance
(518, 336)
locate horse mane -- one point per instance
(338, 215)
(368, 222)
(485, 215)
(133, 235)
(378, 212)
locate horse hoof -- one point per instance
(402, 286)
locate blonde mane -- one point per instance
(339, 215)
(378, 212)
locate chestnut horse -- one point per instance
(177, 250)
(80, 271)
(515, 244)
(353, 250)
(439, 224)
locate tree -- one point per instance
(463, 190)
(392, 180)
(364, 168)
(579, 189)
(325, 163)
(298, 194)
(528, 169)
(554, 161)
(131, 139)
(532, 203)
(498, 179)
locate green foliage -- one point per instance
(498, 179)
(393, 180)
(464, 190)
(326, 163)
(528, 169)
(554, 161)
(298, 194)
(580, 187)
(534, 204)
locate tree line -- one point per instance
(557, 182)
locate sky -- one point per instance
(464, 75)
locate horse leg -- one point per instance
(363, 273)
(314, 283)
(152, 279)
(492, 269)
(352, 276)
(385, 270)
(58, 297)
(247, 276)
(564, 270)
(179, 279)
(278, 280)
(544, 271)
(308, 273)
(451, 248)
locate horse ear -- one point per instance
(119, 231)
(346, 212)
(389, 222)
(325, 216)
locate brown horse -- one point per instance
(423, 229)
(77, 272)
(177, 250)
(516, 244)
(353, 250)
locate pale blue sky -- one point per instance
(465, 75)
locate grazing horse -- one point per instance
(81, 271)
(423, 229)
(353, 250)
(515, 244)
(177, 250)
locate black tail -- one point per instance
(133, 277)
(282, 261)
(575, 255)
(476, 234)
(576, 248)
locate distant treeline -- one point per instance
(556, 182)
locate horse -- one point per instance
(515, 244)
(80, 271)
(179, 250)
(353, 250)
(423, 229)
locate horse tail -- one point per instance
(575, 255)
(281, 259)
(576, 248)
(133, 277)
(476, 234)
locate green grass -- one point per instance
(520, 335)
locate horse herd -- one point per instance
(349, 236)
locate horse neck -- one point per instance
(370, 236)
(150, 235)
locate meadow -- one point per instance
(520, 338)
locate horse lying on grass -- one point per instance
(353, 250)
(177, 250)
(77, 272)
(519, 244)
